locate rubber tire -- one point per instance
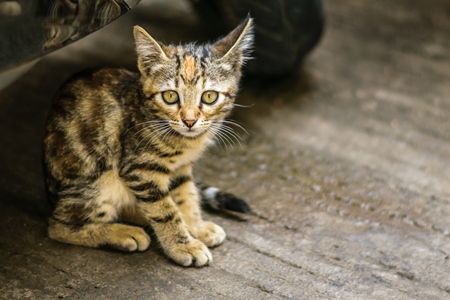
(285, 31)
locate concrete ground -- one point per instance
(347, 168)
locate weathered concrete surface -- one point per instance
(347, 168)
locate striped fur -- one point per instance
(117, 153)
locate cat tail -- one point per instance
(217, 200)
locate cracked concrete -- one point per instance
(346, 167)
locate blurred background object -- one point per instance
(285, 32)
(29, 29)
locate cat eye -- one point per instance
(170, 97)
(209, 97)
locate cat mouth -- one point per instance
(190, 132)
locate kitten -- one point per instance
(120, 147)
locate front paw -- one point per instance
(126, 238)
(191, 253)
(211, 234)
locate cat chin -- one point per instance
(191, 134)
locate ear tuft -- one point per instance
(149, 51)
(237, 44)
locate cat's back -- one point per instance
(87, 119)
(95, 87)
(93, 97)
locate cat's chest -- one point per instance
(187, 156)
(188, 152)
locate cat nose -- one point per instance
(189, 123)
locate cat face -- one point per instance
(192, 87)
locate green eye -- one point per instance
(209, 97)
(170, 97)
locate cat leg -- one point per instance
(87, 214)
(101, 235)
(150, 186)
(186, 196)
(173, 235)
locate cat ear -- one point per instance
(237, 44)
(149, 51)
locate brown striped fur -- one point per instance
(115, 151)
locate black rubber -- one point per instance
(285, 31)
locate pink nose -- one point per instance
(189, 123)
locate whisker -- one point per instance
(231, 131)
(224, 136)
(210, 130)
(231, 134)
(157, 134)
(233, 122)
(154, 126)
(145, 123)
(219, 137)
(227, 138)
(143, 139)
(245, 106)
(169, 131)
(152, 135)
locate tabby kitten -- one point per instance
(120, 147)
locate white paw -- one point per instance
(128, 238)
(192, 253)
(211, 234)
